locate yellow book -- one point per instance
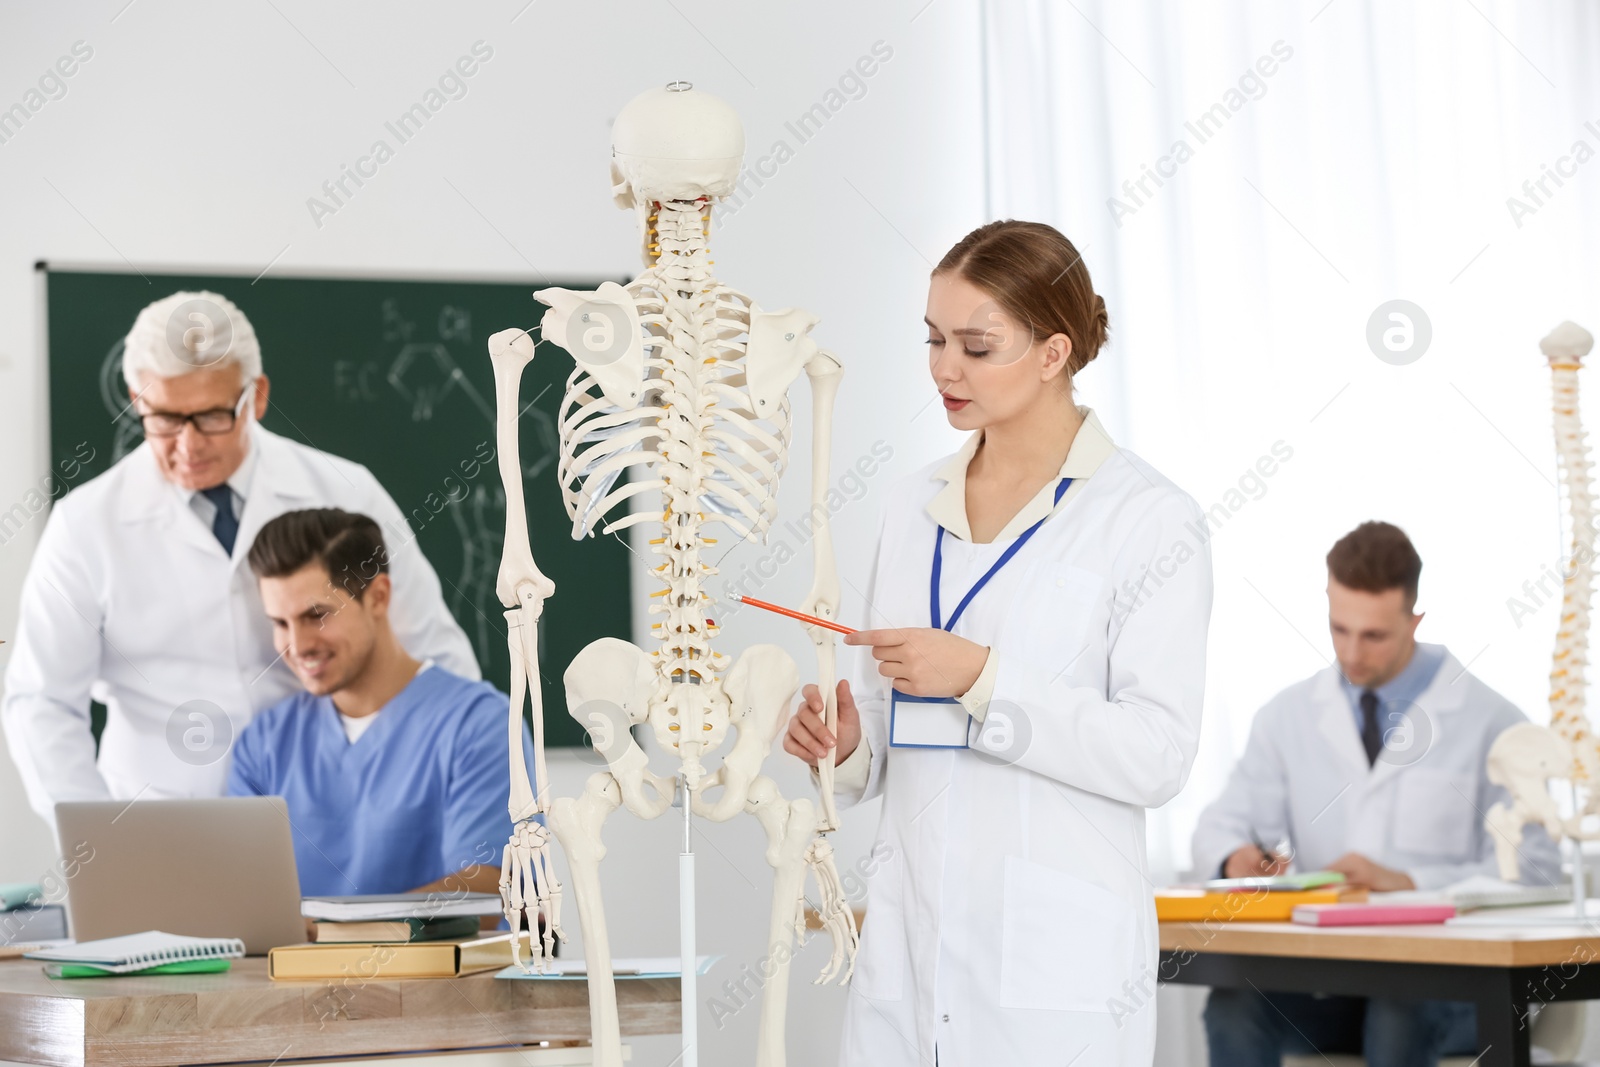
(367, 961)
(1198, 905)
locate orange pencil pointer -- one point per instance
(802, 616)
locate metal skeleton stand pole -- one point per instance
(691, 1053)
(1580, 897)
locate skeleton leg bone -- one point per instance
(1504, 823)
(577, 824)
(791, 827)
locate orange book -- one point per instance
(1198, 905)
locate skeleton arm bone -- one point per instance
(519, 581)
(526, 872)
(520, 585)
(522, 588)
(834, 910)
(824, 370)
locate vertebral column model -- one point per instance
(1571, 658)
(1526, 757)
(681, 384)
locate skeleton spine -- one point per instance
(678, 239)
(1571, 657)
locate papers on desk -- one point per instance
(1481, 891)
(621, 967)
(1540, 915)
(400, 906)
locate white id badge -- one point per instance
(926, 722)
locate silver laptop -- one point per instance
(219, 867)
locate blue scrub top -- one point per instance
(421, 794)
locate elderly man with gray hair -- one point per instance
(138, 594)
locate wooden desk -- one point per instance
(1502, 970)
(242, 1015)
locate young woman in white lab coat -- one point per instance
(1017, 732)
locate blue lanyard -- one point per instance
(1005, 557)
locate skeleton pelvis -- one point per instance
(609, 685)
(1527, 752)
(689, 719)
(759, 686)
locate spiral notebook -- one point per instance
(139, 952)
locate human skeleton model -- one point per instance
(682, 383)
(1525, 757)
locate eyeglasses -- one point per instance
(213, 422)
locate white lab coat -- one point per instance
(1009, 912)
(1419, 809)
(131, 599)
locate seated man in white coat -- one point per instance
(1375, 768)
(138, 594)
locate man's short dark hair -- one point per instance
(349, 547)
(1374, 558)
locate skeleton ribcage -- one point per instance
(695, 434)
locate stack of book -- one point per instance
(344, 931)
(1253, 899)
(405, 935)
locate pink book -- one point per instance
(1371, 914)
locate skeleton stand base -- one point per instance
(686, 938)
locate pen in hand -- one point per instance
(1271, 859)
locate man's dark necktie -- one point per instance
(225, 525)
(1371, 736)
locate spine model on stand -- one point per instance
(1525, 758)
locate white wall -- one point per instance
(195, 133)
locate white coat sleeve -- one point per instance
(1255, 800)
(1135, 741)
(421, 619)
(55, 662)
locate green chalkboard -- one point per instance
(395, 375)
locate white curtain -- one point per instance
(1373, 160)
(1316, 161)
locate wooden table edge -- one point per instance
(1478, 946)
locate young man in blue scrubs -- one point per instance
(394, 770)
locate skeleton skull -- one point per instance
(674, 143)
